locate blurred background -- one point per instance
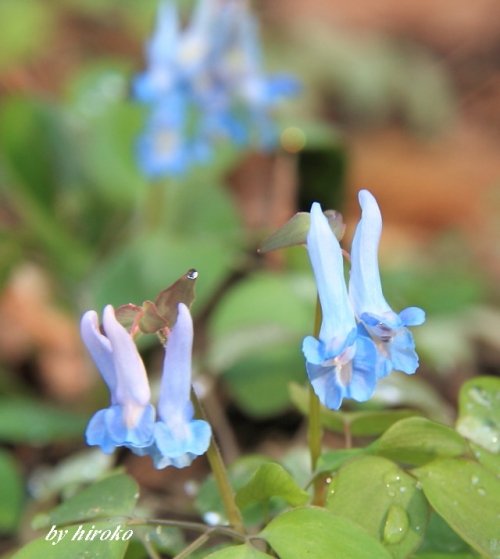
(399, 98)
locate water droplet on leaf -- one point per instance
(396, 525)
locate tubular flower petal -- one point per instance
(130, 418)
(178, 438)
(343, 361)
(387, 328)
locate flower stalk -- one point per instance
(220, 474)
(315, 432)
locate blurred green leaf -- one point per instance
(262, 300)
(445, 556)
(259, 383)
(466, 495)
(26, 29)
(440, 538)
(30, 421)
(487, 459)
(145, 266)
(201, 206)
(359, 423)
(113, 496)
(69, 474)
(105, 126)
(69, 547)
(245, 551)
(333, 460)
(208, 501)
(479, 412)
(401, 390)
(416, 440)
(271, 480)
(389, 507)
(315, 532)
(255, 338)
(11, 493)
(33, 140)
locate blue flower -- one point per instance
(175, 439)
(129, 421)
(387, 328)
(178, 438)
(343, 362)
(164, 147)
(160, 78)
(209, 77)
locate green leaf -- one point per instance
(487, 459)
(11, 493)
(445, 556)
(29, 421)
(400, 390)
(360, 423)
(440, 538)
(71, 546)
(259, 382)
(479, 412)
(335, 459)
(316, 533)
(271, 480)
(260, 309)
(238, 552)
(113, 496)
(208, 499)
(70, 473)
(384, 500)
(417, 440)
(467, 496)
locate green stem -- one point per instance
(220, 474)
(315, 432)
(194, 545)
(186, 525)
(347, 435)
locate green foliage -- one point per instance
(358, 423)
(417, 440)
(24, 420)
(466, 495)
(240, 474)
(315, 532)
(390, 507)
(113, 496)
(28, 25)
(11, 493)
(255, 334)
(271, 480)
(238, 552)
(479, 412)
(69, 547)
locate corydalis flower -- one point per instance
(387, 328)
(129, 420)
(214, 66)
(340, 364)
(176, 438)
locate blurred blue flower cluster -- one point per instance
(173, 438)
(204, 83)
(361, 338)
